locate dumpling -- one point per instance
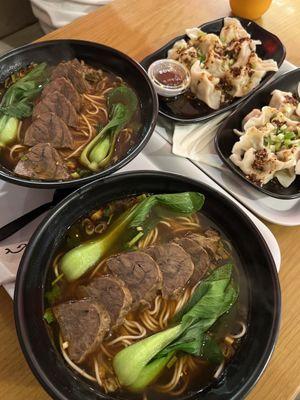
(208, 42)
(279, 98)
(259, 118)
(285, 176)
(215, 64)
(243, 80)
(244, 52)
(203, 85)
(288, 154)
(188, 56)
(260, 165)
(194, 33)
(183, 53)
(246, 165)
(262, 65)
(254, 113)
(254, 138)
(177, 48)
(266, 65)
(234, 48)
(232, 30)
(285, 102)
(282, 119)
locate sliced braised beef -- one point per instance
(83, 325)
(49, 128)
(58, 104)
(199, 256)
(175, 264)
(139, 272)
(73, 71)
(211, 242)
(113, 295)
(42, 162)
(66, 88)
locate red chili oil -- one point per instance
(169, 77)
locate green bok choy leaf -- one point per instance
(141, 363)
(80, 259)
(17, 102)
(122, 103)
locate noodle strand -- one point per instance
(73, 365)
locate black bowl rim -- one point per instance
(229, 164)
(25, 263)
(124, 161)
(236, 102)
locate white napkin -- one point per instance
(194, 141)
(12, 249)
(14, 202)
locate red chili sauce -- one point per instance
(169, 77)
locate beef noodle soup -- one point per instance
(66, 121)
(145, 297)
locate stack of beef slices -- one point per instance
(54, 117)
(133, 280)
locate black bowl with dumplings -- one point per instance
(184, 109)
(226, 138)
(99, 56)
(262, 286)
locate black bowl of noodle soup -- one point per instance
(71, 111)
(147, 269)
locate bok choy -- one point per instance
(17, 102)
(122, 103)
(80, 259)
(141, 363)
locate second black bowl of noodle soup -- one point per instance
(79, 337)
(71, 111)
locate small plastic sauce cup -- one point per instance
(169, 77)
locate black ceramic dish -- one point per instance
(226, 138)
(99, 56)
(264, 291)
(271, 47)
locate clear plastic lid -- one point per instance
(169, 77)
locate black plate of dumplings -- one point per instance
(226, 138)
(183, 109)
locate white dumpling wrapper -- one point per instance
(285, 176)
(177, 48)
(232, 30)
(208, 42)
(194, 33)
(259, 118)
(263, 65)
(203, 85)
(278, 98)
(244, 83)
(215, 65)
(245, 52)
